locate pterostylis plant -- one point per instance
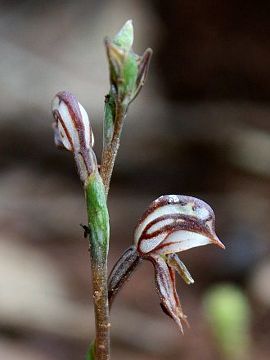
(171, 224)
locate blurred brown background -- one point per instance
(199, 127)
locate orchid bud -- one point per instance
(127, 69)
(73, 132)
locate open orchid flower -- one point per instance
(73, 132)
(171, 224)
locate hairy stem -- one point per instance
(98, 221)
(110, 149)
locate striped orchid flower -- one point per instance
(171, 224)
(73, 132)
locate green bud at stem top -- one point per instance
(127, 69)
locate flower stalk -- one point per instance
(98, 223)
(73, 132)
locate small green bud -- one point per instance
(123, 71)
(127, 69)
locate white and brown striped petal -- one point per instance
(175, 223)
(72, 122)
(72, 131)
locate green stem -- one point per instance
(98, 222)
(110, 149)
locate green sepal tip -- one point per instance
(124, 38)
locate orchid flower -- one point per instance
(73, 132)
(171, 224)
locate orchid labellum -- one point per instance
(171, 224)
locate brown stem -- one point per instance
(110, 151)
(100, 297)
